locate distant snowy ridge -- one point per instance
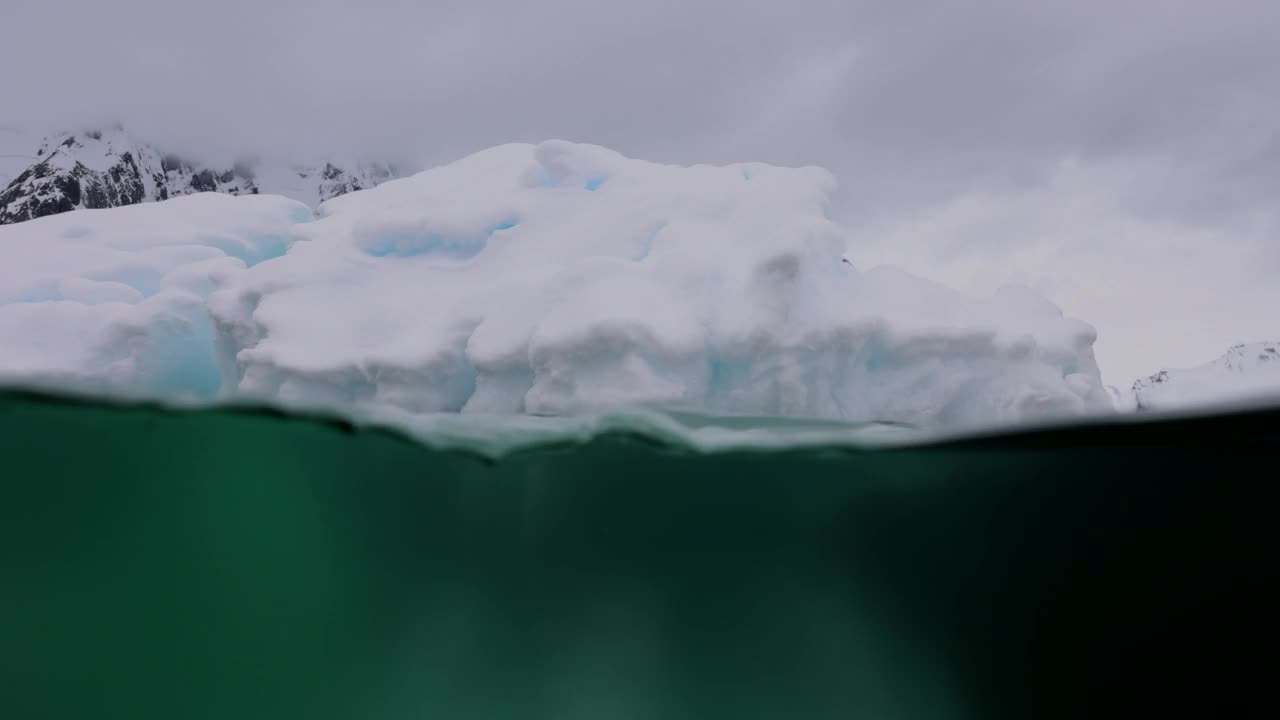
(1246, 372)
(549, 279)
(109, 168)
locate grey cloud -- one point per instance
(942, 93)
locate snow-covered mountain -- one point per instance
(1245, 372)
(110, 168)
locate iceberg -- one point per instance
(113, 301)
(548, 279)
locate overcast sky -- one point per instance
(1122, 156)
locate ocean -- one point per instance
(247, 563)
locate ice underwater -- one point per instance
(549, 279)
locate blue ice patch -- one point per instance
(144, 280)
(252, 250)
(187, 363)
(451, 247)
(877, 355)
(545, 180)
(646, 246)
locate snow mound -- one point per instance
(114, 300)
(1245, 373)
(545, 279)
(564, 278)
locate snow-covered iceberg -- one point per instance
(113, 301)
(537, 279)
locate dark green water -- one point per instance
(231, 564)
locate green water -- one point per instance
(233, 564)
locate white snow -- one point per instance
(113, 300)
(539, 279)
(1246, 373)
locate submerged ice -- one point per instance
(528, 279)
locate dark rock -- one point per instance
(203, 181)
(37, 192)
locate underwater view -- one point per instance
(240, 562)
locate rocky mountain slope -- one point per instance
(109, 168)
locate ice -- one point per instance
(561, 278)
(113, 300)
(544, 279)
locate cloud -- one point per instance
(1162, 292)
(953, 125)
